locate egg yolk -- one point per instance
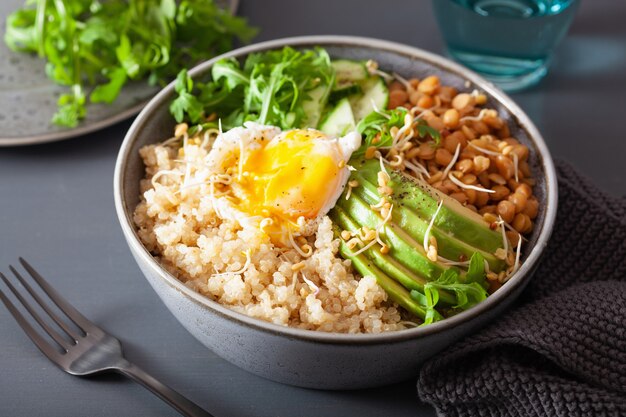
(294, 175)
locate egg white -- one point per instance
(227, 147)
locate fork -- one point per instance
(89, 349)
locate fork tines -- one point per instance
(70, 335)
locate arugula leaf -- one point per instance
(107, 93)
(269, 88)
(96, 30)
(186, 102)
(230, 71)
(128, 59)
(104, 44)
(21, 33)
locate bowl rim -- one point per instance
(518, 279)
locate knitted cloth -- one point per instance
(562, 350)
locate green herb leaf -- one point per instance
(429, 301)
(476, 270)
(107, 93)
(378, 123)
(229, 70)
(423, 130)
(269, 89)
(21, 34)
(467, 294)
(186, 102)
(90, 43)
(71, 108)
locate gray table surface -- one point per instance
(56, 209)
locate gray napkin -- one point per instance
(562, 350)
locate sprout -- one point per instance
(298, 248)
(162, 173)
(427, 248)
(311, 284)
(453, 160)
(505, 241)
(478, 118)
(468, 186)
(378, 238)
(517, 257)
(403, 81)
(240, 271)
(416, 167)
(372, 68)
(483, 150)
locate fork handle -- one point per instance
(183, 405)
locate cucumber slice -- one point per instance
(348, 72)
(346, 91)
(314, 105)
(375, 93)
(339, 120)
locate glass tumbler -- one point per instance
(509, 42)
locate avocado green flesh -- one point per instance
(387, 263)
(454, 219)
(449, 247)
(396, 292)
(402, 247)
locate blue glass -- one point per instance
(510, 42)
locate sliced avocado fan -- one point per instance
(403, 267)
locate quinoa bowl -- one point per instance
(300, 354)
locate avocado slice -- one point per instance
(453, 219)
(450, 247)
(387, 263)
(403, 248)
(396, 292)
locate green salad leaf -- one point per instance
(423, 131)
(429, 301)
(468, 290)
(269, 88)
(378, 124)
(105, 44)
(186, 102)
(476, 269)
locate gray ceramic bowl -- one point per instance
(328, 360)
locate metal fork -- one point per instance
(89, 350)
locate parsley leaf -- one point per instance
(467, 294)
(476, 270)
(468, 290)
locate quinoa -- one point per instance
(240, 268)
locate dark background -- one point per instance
(56, 209)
